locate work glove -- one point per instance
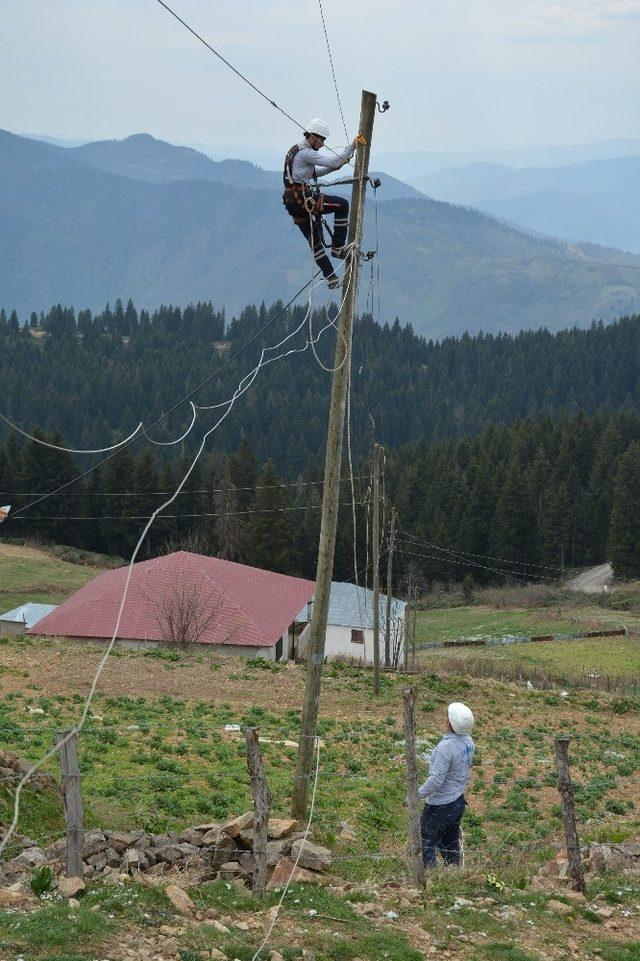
(359, 141)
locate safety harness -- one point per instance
(302, 199)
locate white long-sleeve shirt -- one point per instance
(309, 163)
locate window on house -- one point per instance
(357, 637)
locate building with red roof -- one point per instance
(188, 599)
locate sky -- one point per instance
(460, 75)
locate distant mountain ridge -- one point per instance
(412, 164)
(82, 235)
(597, 202)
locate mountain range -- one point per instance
(145, 219)
(597, 201)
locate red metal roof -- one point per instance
(253, 607)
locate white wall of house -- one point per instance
(351, 643)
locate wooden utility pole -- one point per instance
(333, 463)
(387, 626)
(72, 796)
(565, 787)
(261, 809)
(413, 801)
(414, 627)
(406, 626)
(377, 457)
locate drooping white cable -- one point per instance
(241, 389)
(71, 450)
(170, 443)
(293, 869)
(264, 363)
(332, 370)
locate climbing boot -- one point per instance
(333, 282)
(339, 252)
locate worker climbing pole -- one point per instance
(305, 203)
(333, 461)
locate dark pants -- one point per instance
(440, 829)
(312, 230)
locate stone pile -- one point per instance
(623, 858)
(13, 768)
(206, 852)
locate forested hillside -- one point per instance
(523, 503)
(541, 492)
(93, 378)
(81, 235)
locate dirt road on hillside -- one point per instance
(592, 581)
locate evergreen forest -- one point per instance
(527, 462)
(93, 378)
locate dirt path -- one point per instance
(593, 581)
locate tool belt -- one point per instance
(302, 201)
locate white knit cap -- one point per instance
(460, 717)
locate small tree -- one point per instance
(187, 609)
(468, 586)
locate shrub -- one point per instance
(41, 880)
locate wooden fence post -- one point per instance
(565, 788)
(261, 808)
(413, 801)
(72, 795)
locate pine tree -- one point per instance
(271, 541)
(230, 525)
(146, 482)
(556, 527)
(120, 535)
(512, 533)
(624, 530)
(44, 470)
(243, 470)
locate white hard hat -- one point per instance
(460, 717)
(319, 127)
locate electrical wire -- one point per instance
(333, 71)
(183, 400)
(199, 490)
(228, 64)
(312, 808)
(242, 387)
(72, 450)
(462, 563)
(170, 443)
(144, 517)
(491, 557)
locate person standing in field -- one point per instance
(443, 791)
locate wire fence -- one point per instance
(585, 677)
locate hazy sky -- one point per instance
(460, 74)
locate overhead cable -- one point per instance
(197, 490)
(144, 517)
(183, 400)
(228, 64)
(491, 557)
(333, 71)
(72, 450)
(242, 387)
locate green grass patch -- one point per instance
(39, 577)
(54, 926)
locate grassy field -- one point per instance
(455, 623)
(164, 762)
(617, 656)
(155, 755)
(31, 574)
